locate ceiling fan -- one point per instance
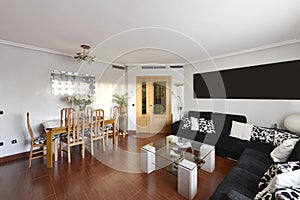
(84, 55)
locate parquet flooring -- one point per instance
(100, 177)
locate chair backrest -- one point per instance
(88, 114)
(64, 113)
(29, 127)
(75, 127)
(97, 125)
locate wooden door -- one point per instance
(153, 101)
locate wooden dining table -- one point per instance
(53, 127)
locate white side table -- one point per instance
(209, 164)
(148, 159)
(187, 179)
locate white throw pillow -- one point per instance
(289, 179)
(282, 152)
(241, 130)
(195, 124)
(284, 180)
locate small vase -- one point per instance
(79, 107)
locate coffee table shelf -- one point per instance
(181, 157)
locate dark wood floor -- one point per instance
(100, 177)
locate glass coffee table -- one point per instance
(179, 156)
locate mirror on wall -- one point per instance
(72, 83)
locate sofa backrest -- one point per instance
(295, 155)
(222, 121)
(225, 145)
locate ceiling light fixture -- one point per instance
(85, 54)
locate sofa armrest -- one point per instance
(234, 195)
(175, 127)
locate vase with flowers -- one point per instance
(80, 101)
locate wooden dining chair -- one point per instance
(97, 128)
(64, 113)
(38, 144)
(75, 134)
(109, 130)
(88, 114)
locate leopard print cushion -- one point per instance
(287, 194)
(272, 171)
(269, 135)
(206, 126)
(186, 123)
(42, 140)
(275, 169)
(281, 135)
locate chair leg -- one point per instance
(61, 149)
(82, 150)
(55, 150)
(30, 156)
(69, 154)
(92, 147)
(103, 143)
(106, 138)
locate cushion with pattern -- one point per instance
(287, 193)
(186, 123)
(270, 135)
(264, 191)
(206, 126)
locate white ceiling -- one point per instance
(150, 31)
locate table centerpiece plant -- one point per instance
(80, 101)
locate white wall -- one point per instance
(111, 81)
(259, 112)
(26, 86)
(177, 78)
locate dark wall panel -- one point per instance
(271, 81)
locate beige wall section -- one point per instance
(260, 112)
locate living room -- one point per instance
(197, 37)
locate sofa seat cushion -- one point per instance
(234, 195)
(245, 175)
(240, 180)
(254, 161)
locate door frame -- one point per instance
(139, 115)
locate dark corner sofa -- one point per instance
(253, 156)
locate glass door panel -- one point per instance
(144, 98)
(159, 98)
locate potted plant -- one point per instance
(122, 102)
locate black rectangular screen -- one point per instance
(270, 81)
